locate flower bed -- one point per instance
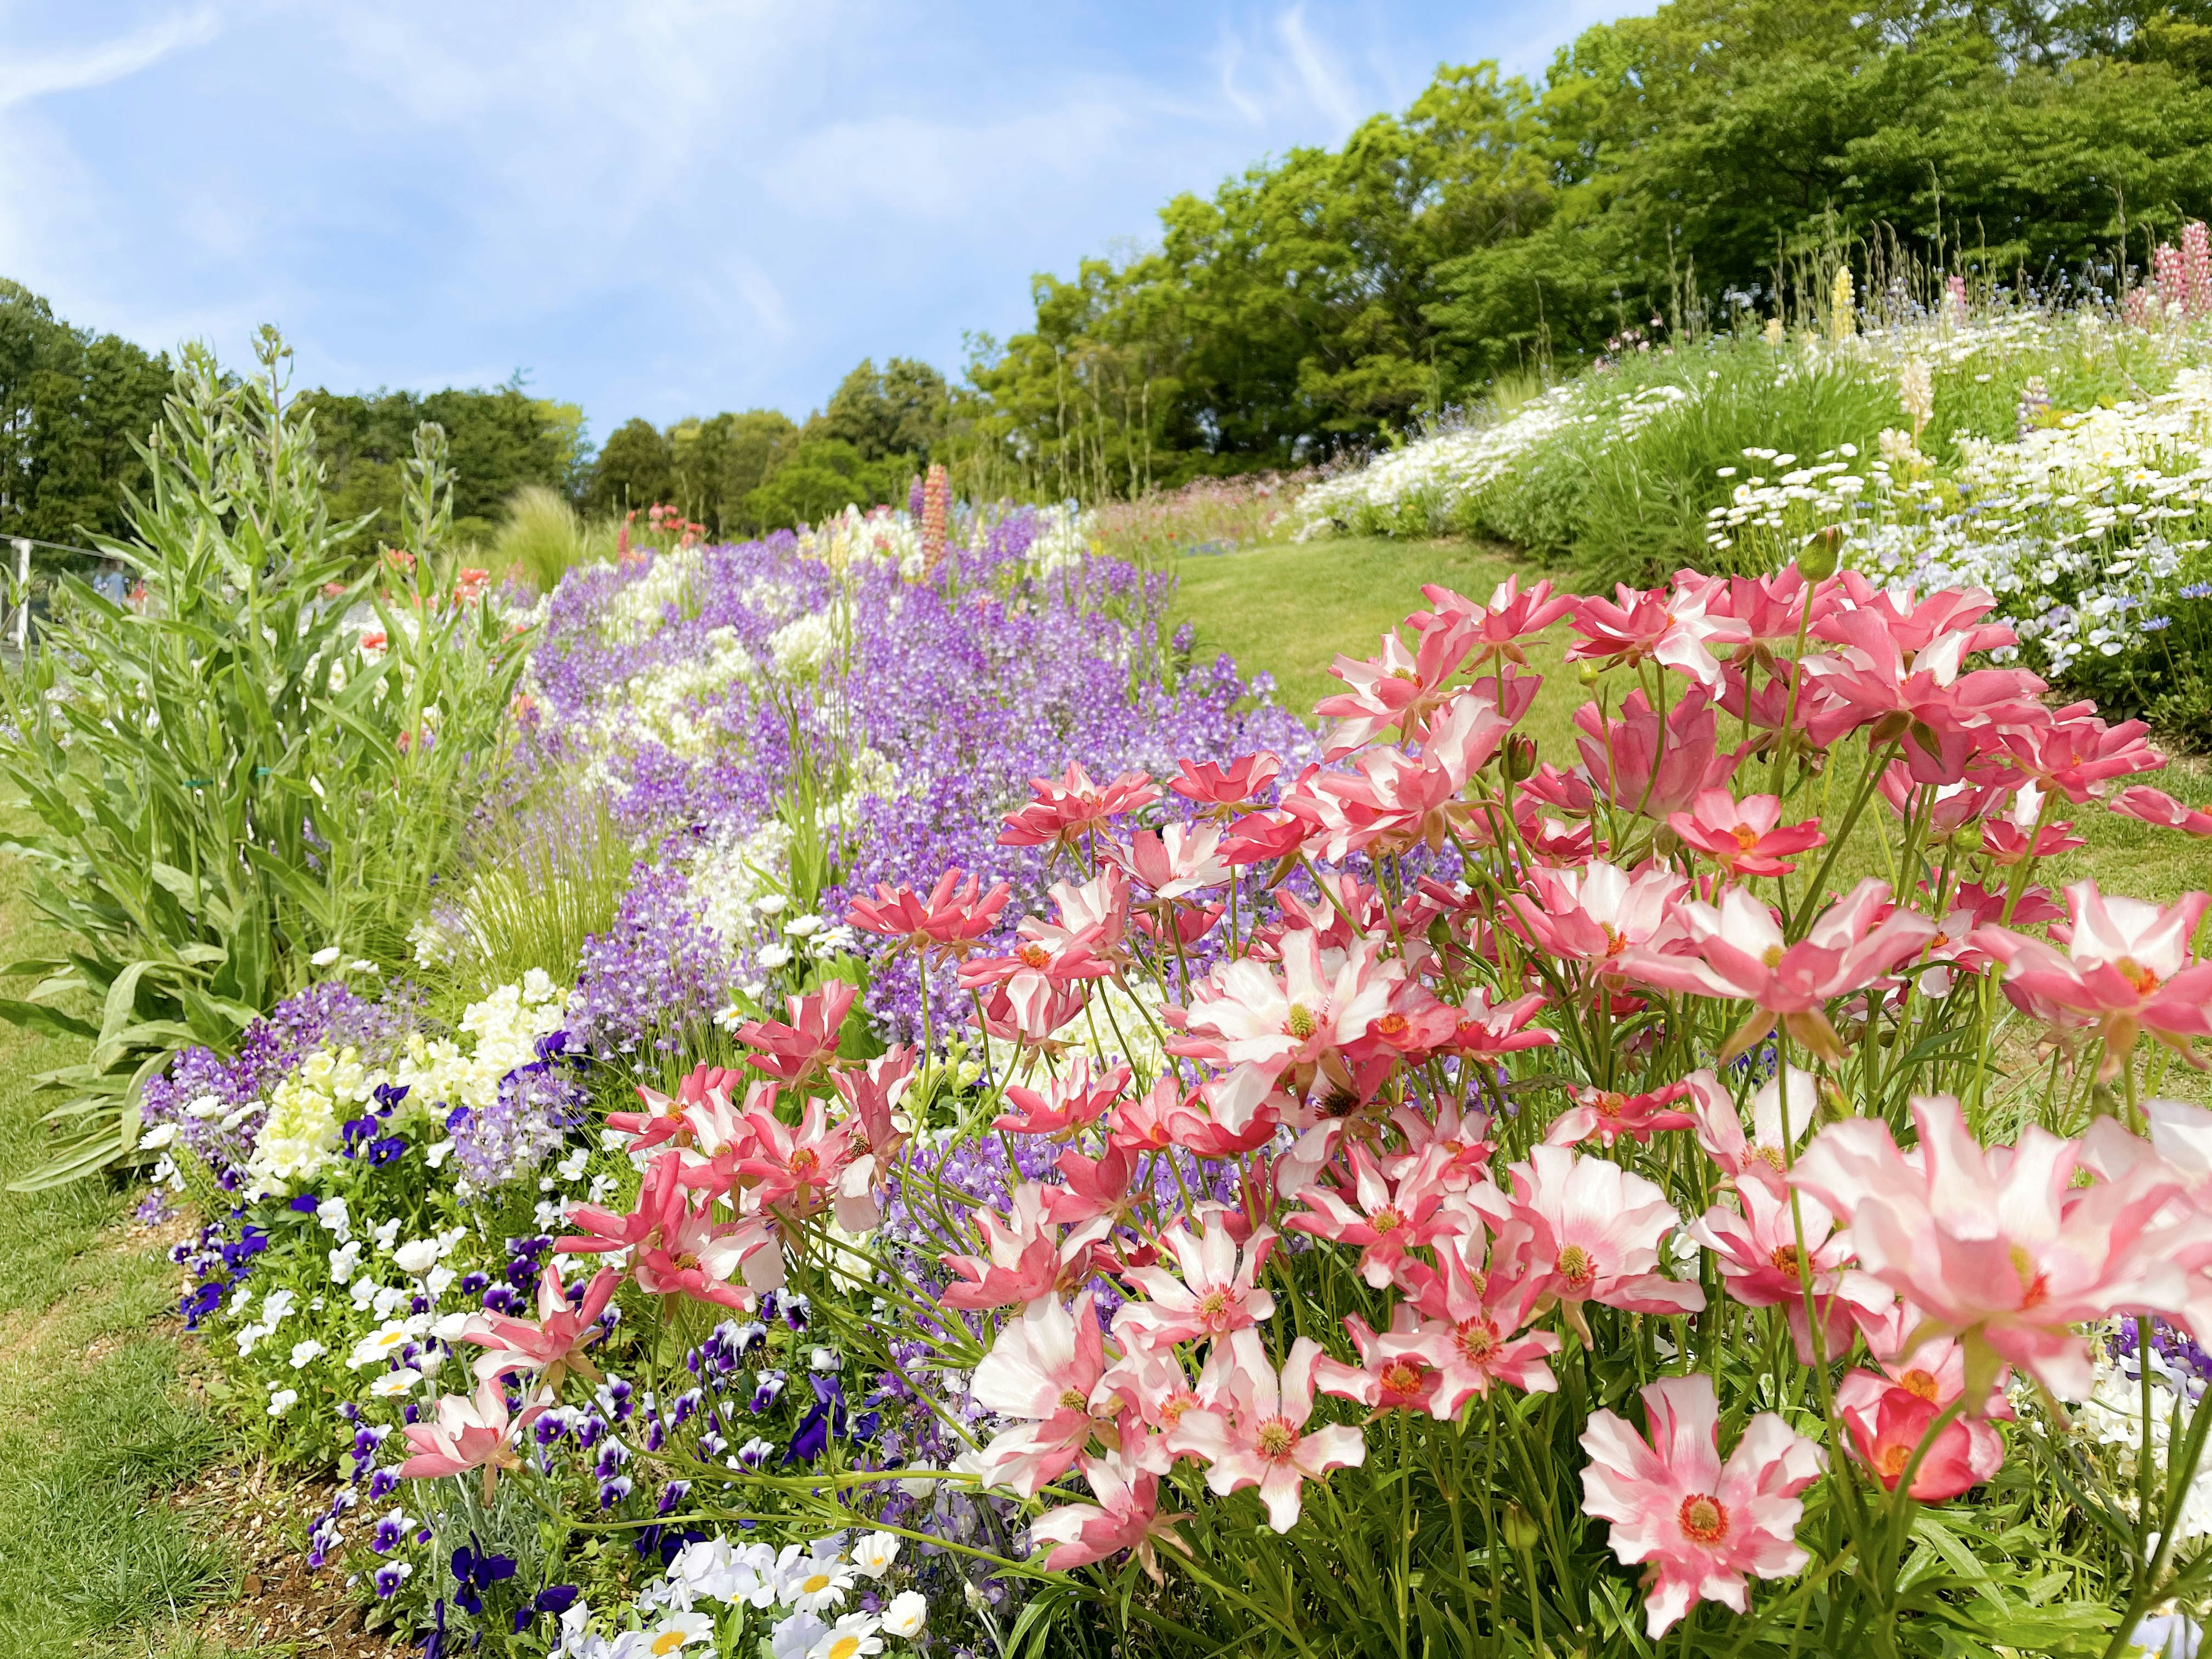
(1429, 1194)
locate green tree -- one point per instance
(636, 468)
(758, 440)
(822, 476)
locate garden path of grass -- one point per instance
(96, 1425)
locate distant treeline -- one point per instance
(1690, 167)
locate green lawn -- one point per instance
(94, 1422)
(1289, 611)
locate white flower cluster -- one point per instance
(301, 1133)
(670, 582)
(803, 645)
(1412, 491)
(2114, 1416)
(1063, 536)
(883, 534)
(504, 1028)
(807, 1586)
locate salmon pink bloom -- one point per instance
(1103, 1185)
(2126, 969)
(1605, 1115)
(607, 1231)
(795, 1169)
(948, 923)
(468, 1432)
(1065, 1104)
(790, 1054)
(1641, 770)
(872, 1094)
(1762, 1266)
(1264, 837)
(1244, 1013)
(553, 1345)
(1043, 1369)
(1672, 629)
(1592, 915)
(1025, 1257)
(1126, 1518)
(1996, 1245)
(1502, 1029)
(1220, 1119)
(1473, 1334)
(1397, 688)
(1594, 1232)
(1216, 1293)
(1394, 1372)
(2073, 752)
(1062, 813)
(1380, 1219)
(1738, 950)
(677, 1117)
(1765, 1157)
(690, 1256)
(2156, 807)
(1744, 838)
(1498, 629)
(1889, 1416)
(1174, 862)
(1046, 966)
(1916, 624)
(1769, 608)
(1224, 789)
(1943, 716)
(1262, 1439)
(1702, 1525)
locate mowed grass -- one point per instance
(1289, 611)
(95, 1424)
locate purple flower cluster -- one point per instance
(961, 690)
(216, 1103)
(538, 1105)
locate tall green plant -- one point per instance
(235, 776)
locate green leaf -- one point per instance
(33, 1017)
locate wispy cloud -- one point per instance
(27, 75)
(657, 206)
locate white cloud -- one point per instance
(27, 75)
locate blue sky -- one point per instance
(655, 207)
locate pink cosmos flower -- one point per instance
(1484, 1028)
(1024, 1256)
(1769, 608)
(1126, 1518)
(607, 1231)
(1047, 964)
(1394, 1373)
(1043, 1369)
(1738, 950)
(1744, 838)
(1641, 769)
(1396, 801)
(1941, 715)
(1762, 1267)
(1379, 1218)
(1887, 1419)
(1605, 1115)
(1213, 1292)
(551, 1346)
(1702, 1525)
(1670, 629)
(1498, 629)
(1063, 811)
(1473, 1334)
(1102, 1186)
(678, 1117)
(1396, 689)
(1065, 1104)
(1593, 914)
(948, 923)
(1223, 1118)
(1262, 1439)
(1174, 862)
(1950, 618)
(468, 1432)
(1764, 1157)
(790, 1054)
(2156, 807)
(2127, 968)
(1995, 1245)
(1244, 1014)
(796, 1169)
(1222, 789)
(1594, 1232)
(2075, 752)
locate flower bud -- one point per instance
(1590, 673)
(1823, 550)
(1665, 843)
(1966, 839)
(1520, 757)
(1520, 1528)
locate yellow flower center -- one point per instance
(844, 1647)
(1787, 1259)
(1072, 1401)
(1918, 1382)
(669, 1641)
(1576, 1265)
(1300, 1022)
(1277, 1440)
(1703, 1520)
(815, 1584)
